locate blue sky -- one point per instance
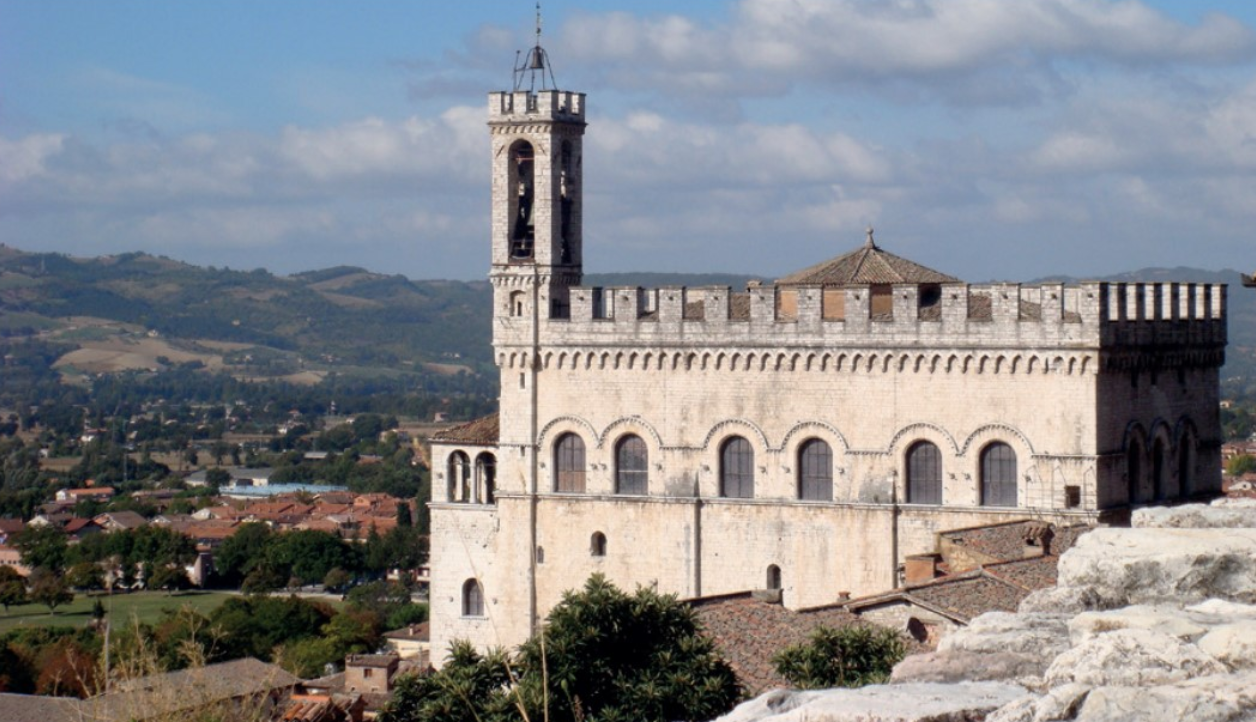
(990, 139)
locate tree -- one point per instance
(381, 599)
(12, 588)
(404, 518)
(307, 555)
(217, 477)
(244, 550)
(604, 655)
(1240, 465)
(49, 589)
(42, 546)
(337, 579)
(85, 575)
(168, 577)
(845, 657)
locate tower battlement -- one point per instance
(523, 105)
(1086, 314)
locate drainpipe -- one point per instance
(894, 529)
(534, 481)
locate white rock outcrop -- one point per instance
(1155, 622)
(1132, 566)
(916, 702)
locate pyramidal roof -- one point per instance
(865, 265)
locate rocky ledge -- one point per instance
(1154, 622)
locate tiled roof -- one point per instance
(483, 432)
(960, 597)
(1028, 574)
(968, 597)
(999, 542)
(36, 708)
(865, 265)
(372, 660)
(749, 632)
(420, 632)
(124, 519)
(738, 308)
(155, 696)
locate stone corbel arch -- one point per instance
(1183, 430)
(829, 433)
(634, 424)
(921, 431)
(563, 424)
(725, 427)
(998, 432)
(1134, 430)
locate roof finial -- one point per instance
(870, 243)
(535, 63)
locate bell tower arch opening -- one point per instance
(537, 134)
(523, 201)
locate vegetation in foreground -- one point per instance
(845, 657)
(604, 655)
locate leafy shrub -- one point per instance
(846, 657)
(605, 655)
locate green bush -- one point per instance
(605, 655)
(846, 657)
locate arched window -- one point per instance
(458, 474)
(998, 475)
(815, 471)
(1186, 464)
(485, 477)
(924, 474)
(597, 544)
(631, 466)
(1159, 468)
(472, 599)
(522, 224)
(1134, 471)
(517, 300)
(774, 577)
(737, 469)
(569, 464)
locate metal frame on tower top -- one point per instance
(535, 63)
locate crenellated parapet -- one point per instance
(1086, 315)
(522, 106)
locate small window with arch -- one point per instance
(597, 544)
(472, 598)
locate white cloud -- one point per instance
(25, 158)
(947, 48)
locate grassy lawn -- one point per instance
(147, 606)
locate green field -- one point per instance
(146, 606)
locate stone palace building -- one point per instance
(804, 435)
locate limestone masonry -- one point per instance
(805, 435)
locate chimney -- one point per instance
(921, 568)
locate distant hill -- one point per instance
(137, 310)
(128, 308)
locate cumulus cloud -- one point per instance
(1121, 163)
(955, 49)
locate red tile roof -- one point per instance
(749, 632)
(865, 265)
(483, 431)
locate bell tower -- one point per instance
(537, 133)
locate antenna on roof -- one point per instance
(534, 64)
